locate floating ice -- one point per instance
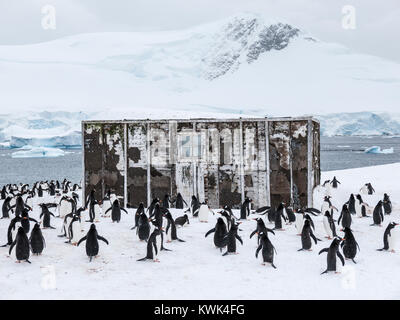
(378, 150)
(38, 152)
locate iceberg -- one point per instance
(378, 150)
(38, 152)
(71, 140)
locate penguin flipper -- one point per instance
(353, 261)
(326, 271)
(258, 250)
(83, 239)
(273, 265)
(12, 246)
(209, 232)
(225, 254)
(102, 239)
(180, 240)
(253, 233)
(340, 257)
(323, 250)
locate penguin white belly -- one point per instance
(169, 235)
(327, 227)
(364, 190)
(203, 213)
(325, 207)
(97, 212)
(76, 232)
(15, 231)
(158, 244)
(392, 239)
(66, 226)
(65, 208)
(358, 209)
(13, 202)
(299, 222)
(105, 207)
(29, 202)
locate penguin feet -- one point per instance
(156, 260)
(392, 251)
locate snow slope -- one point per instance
(196, 270)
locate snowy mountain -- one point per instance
(244, 64)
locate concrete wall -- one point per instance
(221, 161)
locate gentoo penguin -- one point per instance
(203, 212)
(91, 202)
(290, 214)
(361, 207)
(194, 206)
(74, 230)
(116, 211)
(352, 204)
(278, 217)
(301, 216)
(387, 204)
(378, 214)
(230, 239)
(390, 238)
(152, 244)
(171, 228)
(179, 201)
(349, 245)
(12, 230)
(335, 183)
(333, 251)
(152, 205)
(345, 217)
(165, 202)
(92, 243)
(261, 228)
(6, 207)
(65, 206)
(21, 244)
(3, 193)
(220, 232)
(143, 227)
(25, 220)
(138, 212)
(306, 236)
(45, 214)
(227, 218)
(20, 206)
(367, 189)
(182, 221)
(267, 250)
(158, 222)
(37, 240)
(329, 225)
(245, 209)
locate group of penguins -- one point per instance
(156, 222)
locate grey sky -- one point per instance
(377, 22)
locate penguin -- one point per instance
(329, 225)
(25, 220)
(143, 227)
(6, 207)
(171, 228)
(179, 201)
(361, 207)
(92, 243)
(138, 212)
(267, 250)
(3, 193)
(389, 238)
(194, 206)
(262, 210)
(352, 204)
(116, 211)
(91, 202)
(74, 230)
(290, 215)
(220, 232)
(387, 204)
(349, 245)
(12, 230)
(278, 217)
(306, 236)
(36, 240)
(230, 239)
(227, 218)
(22, 247)
(367, 189)
(46, 215)
(378, 214)
(335, 183)
(152, 205)
(158, 222)
(327, 205)
(182, 221)
(65, 206)
(203, 212)
(165, 202)
(67, 220)
(20, 206)
(245, 209)
(345, 217)
(152, 244)
(333, 251)
(301, 216)
(261, 228)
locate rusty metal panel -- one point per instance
(299, 160)
(316, 169)
(137, 164)
(279, 156)
(251, 158)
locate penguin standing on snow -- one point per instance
(230, 239)
(333, 251)
(301, 216)
(166, 202)
(138, 212)
(367, 189)
(45, 214)
(91, 202)
(329, 225)
(261, 228)
(278, 217)
(345, 217)
(171, 228)
(245, 209)
(387, 204)
(267, 250)
(194, 206)
(152, 244)
(143, 227)
(220, 232)
(335, 183)
(116, 211)
(361, 207)
(25, 220)
(179, 201)
(152, 205)
(352, 204)
(203, 212)
(37, 240)
(92, 243)
(182, 221)
(349, 245)
(6, 207)
(21, 244)
(158, 222)
(389, 238)
(290, 214)
(378, 214)
(74, 230)
(12, 230)
(306, 236)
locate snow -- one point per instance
(196, 270)
(37, 152)
(378, 150)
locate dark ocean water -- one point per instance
(336, 153)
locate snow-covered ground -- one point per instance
(196, 270)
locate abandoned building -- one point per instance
(221, 161)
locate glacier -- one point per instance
(37, 152)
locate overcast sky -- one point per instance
(376, 31)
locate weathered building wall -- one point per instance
(220, 161)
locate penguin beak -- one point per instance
(343, 239)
